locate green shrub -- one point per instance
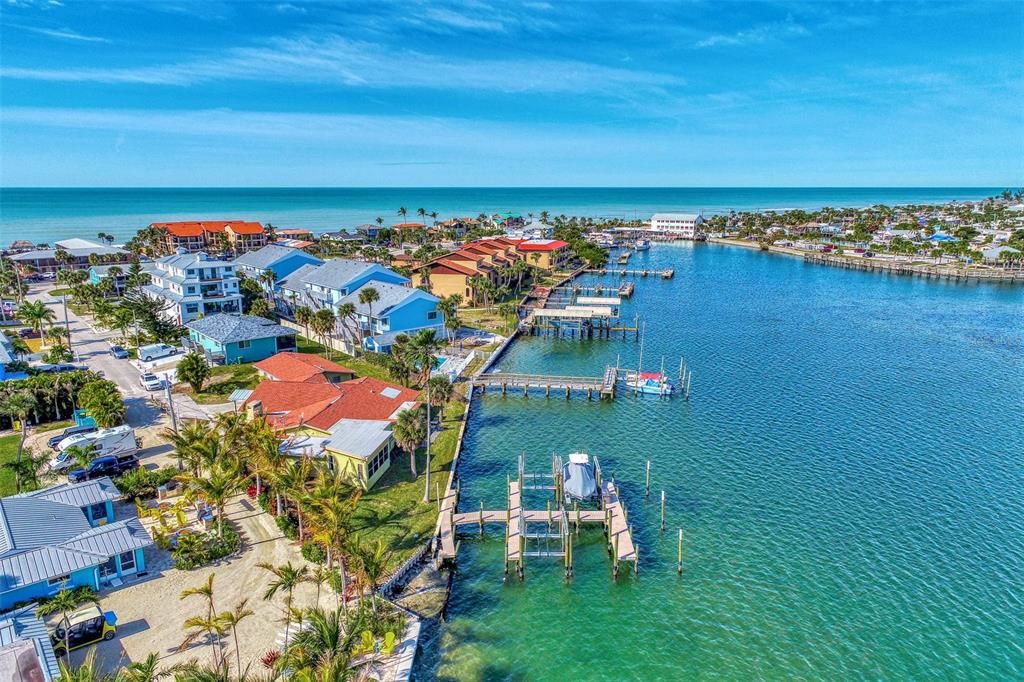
(288, 527)
(313, 552)
(264, 500)
(199, 549)
(142, 483)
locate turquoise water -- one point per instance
(45, 215)
(849, 475)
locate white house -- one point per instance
(193, 284)
(678, 225)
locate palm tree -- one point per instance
(332, 522)
(231, 619)
(410, 430)
(35, 314)
(403, 211)
(66, 602)
(368, 296)
(508, 310)
(421, 351)
(207, 624)
(347, 314)
(372, 563)
(18, 406)
(293, 481)
(441, 391)
(215, 488)
(304, 315)
(286, 579)
(323, 326)
(87, 672)
(320, 652)
(142, 671)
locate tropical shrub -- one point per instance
(194, 370)
(287, 526)
(199, 549)
(142, 483)
(314, 553)
(103, 401)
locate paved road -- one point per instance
(93, 349)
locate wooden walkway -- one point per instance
(620, 538)
(604, 385)
(668, 273)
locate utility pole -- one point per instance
(426, 486)
(170, 406)
(67, 321)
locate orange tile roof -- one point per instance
(304, 367)
(291, 403)
(408, 226)
(240, 227)
(444, 267)
(195, 228)
(182, 229)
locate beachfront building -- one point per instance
(192, 285)
(546, 254)
(323, 286)
(237, 236)
(279, 260)
(303, 368)
(398, 310)
(66, 535)
(230, 339)
(348, 424)
(677, 225)
(68, 254)
(463, 272)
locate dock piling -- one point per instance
(662, 510)
(647, 489)
(679, 566)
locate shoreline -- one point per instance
(951, 273)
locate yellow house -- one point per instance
(358, 450)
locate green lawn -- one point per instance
(60, 291)
(223, 380)
(53, 426)
(394, 510)
(361, 367)
(8, 452)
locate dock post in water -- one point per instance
(679, 565)
(481, 518)
(662, 510)
(647, 491)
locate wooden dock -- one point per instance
(603, 386)
(666, 273)
(928, 271)
(624, 290)
(559, 523)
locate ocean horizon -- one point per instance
(44, 215)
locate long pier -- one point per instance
(666, 273)
(624, 290)
(603, 386)
(916, 270)
(559, 525)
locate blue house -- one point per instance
(325, 285)
(399, 310)
(65, 535)
(7, 357)
(25, 646)
(239, 338)
(281, 260)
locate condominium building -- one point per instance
(678, 225)
(194, 285)
(237, 236)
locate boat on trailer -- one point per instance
(579, 480)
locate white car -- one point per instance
(151, 382)
(156, 350)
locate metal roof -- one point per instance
(113, 538)
(80, 494)
(240, 394)
(360, 438)
(227, 328)
(269, 255)
(23, 625)
(31, 522)
(336, 273)
(295, 281)
(391, 296)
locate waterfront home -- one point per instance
(347, 424)
(231, 339)
(462, 271)
(532, 230)
(68, 254)
(194, 284)
(303, 367)
(66, 535)
(506, 220)
(546, 254)
(995, 254)
(26, 651)
(323, 286)
(398, 310)
(237, 236)
(279, 260)
(459, 226)
(677, 225)
(408, 227)
(344, 237)
(118, 274)
(369, 231)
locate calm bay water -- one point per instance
(46, 215)
(849, 475)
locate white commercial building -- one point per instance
(679, 225)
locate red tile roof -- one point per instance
(299, 367)
(196, 228)
(291, 403)
(408, 226)
(542, 245)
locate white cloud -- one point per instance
(757, 35)
(62, 34)
(344, 62)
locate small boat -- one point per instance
(579, 479)
(642, 244)
(650, 383)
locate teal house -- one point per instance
(66, 535)
(232, 339)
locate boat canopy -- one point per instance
(578, 474)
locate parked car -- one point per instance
(70, 431)
(29, 333)
(111, 465)
(151, 382)
(156, 350)
(86, 626)
(119, 352)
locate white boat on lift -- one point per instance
(642, 244)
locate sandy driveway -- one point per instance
(150, 613)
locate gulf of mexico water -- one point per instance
(849, 475)
(44, 215)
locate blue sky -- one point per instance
(211, 93)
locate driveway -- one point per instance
(150, 612)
